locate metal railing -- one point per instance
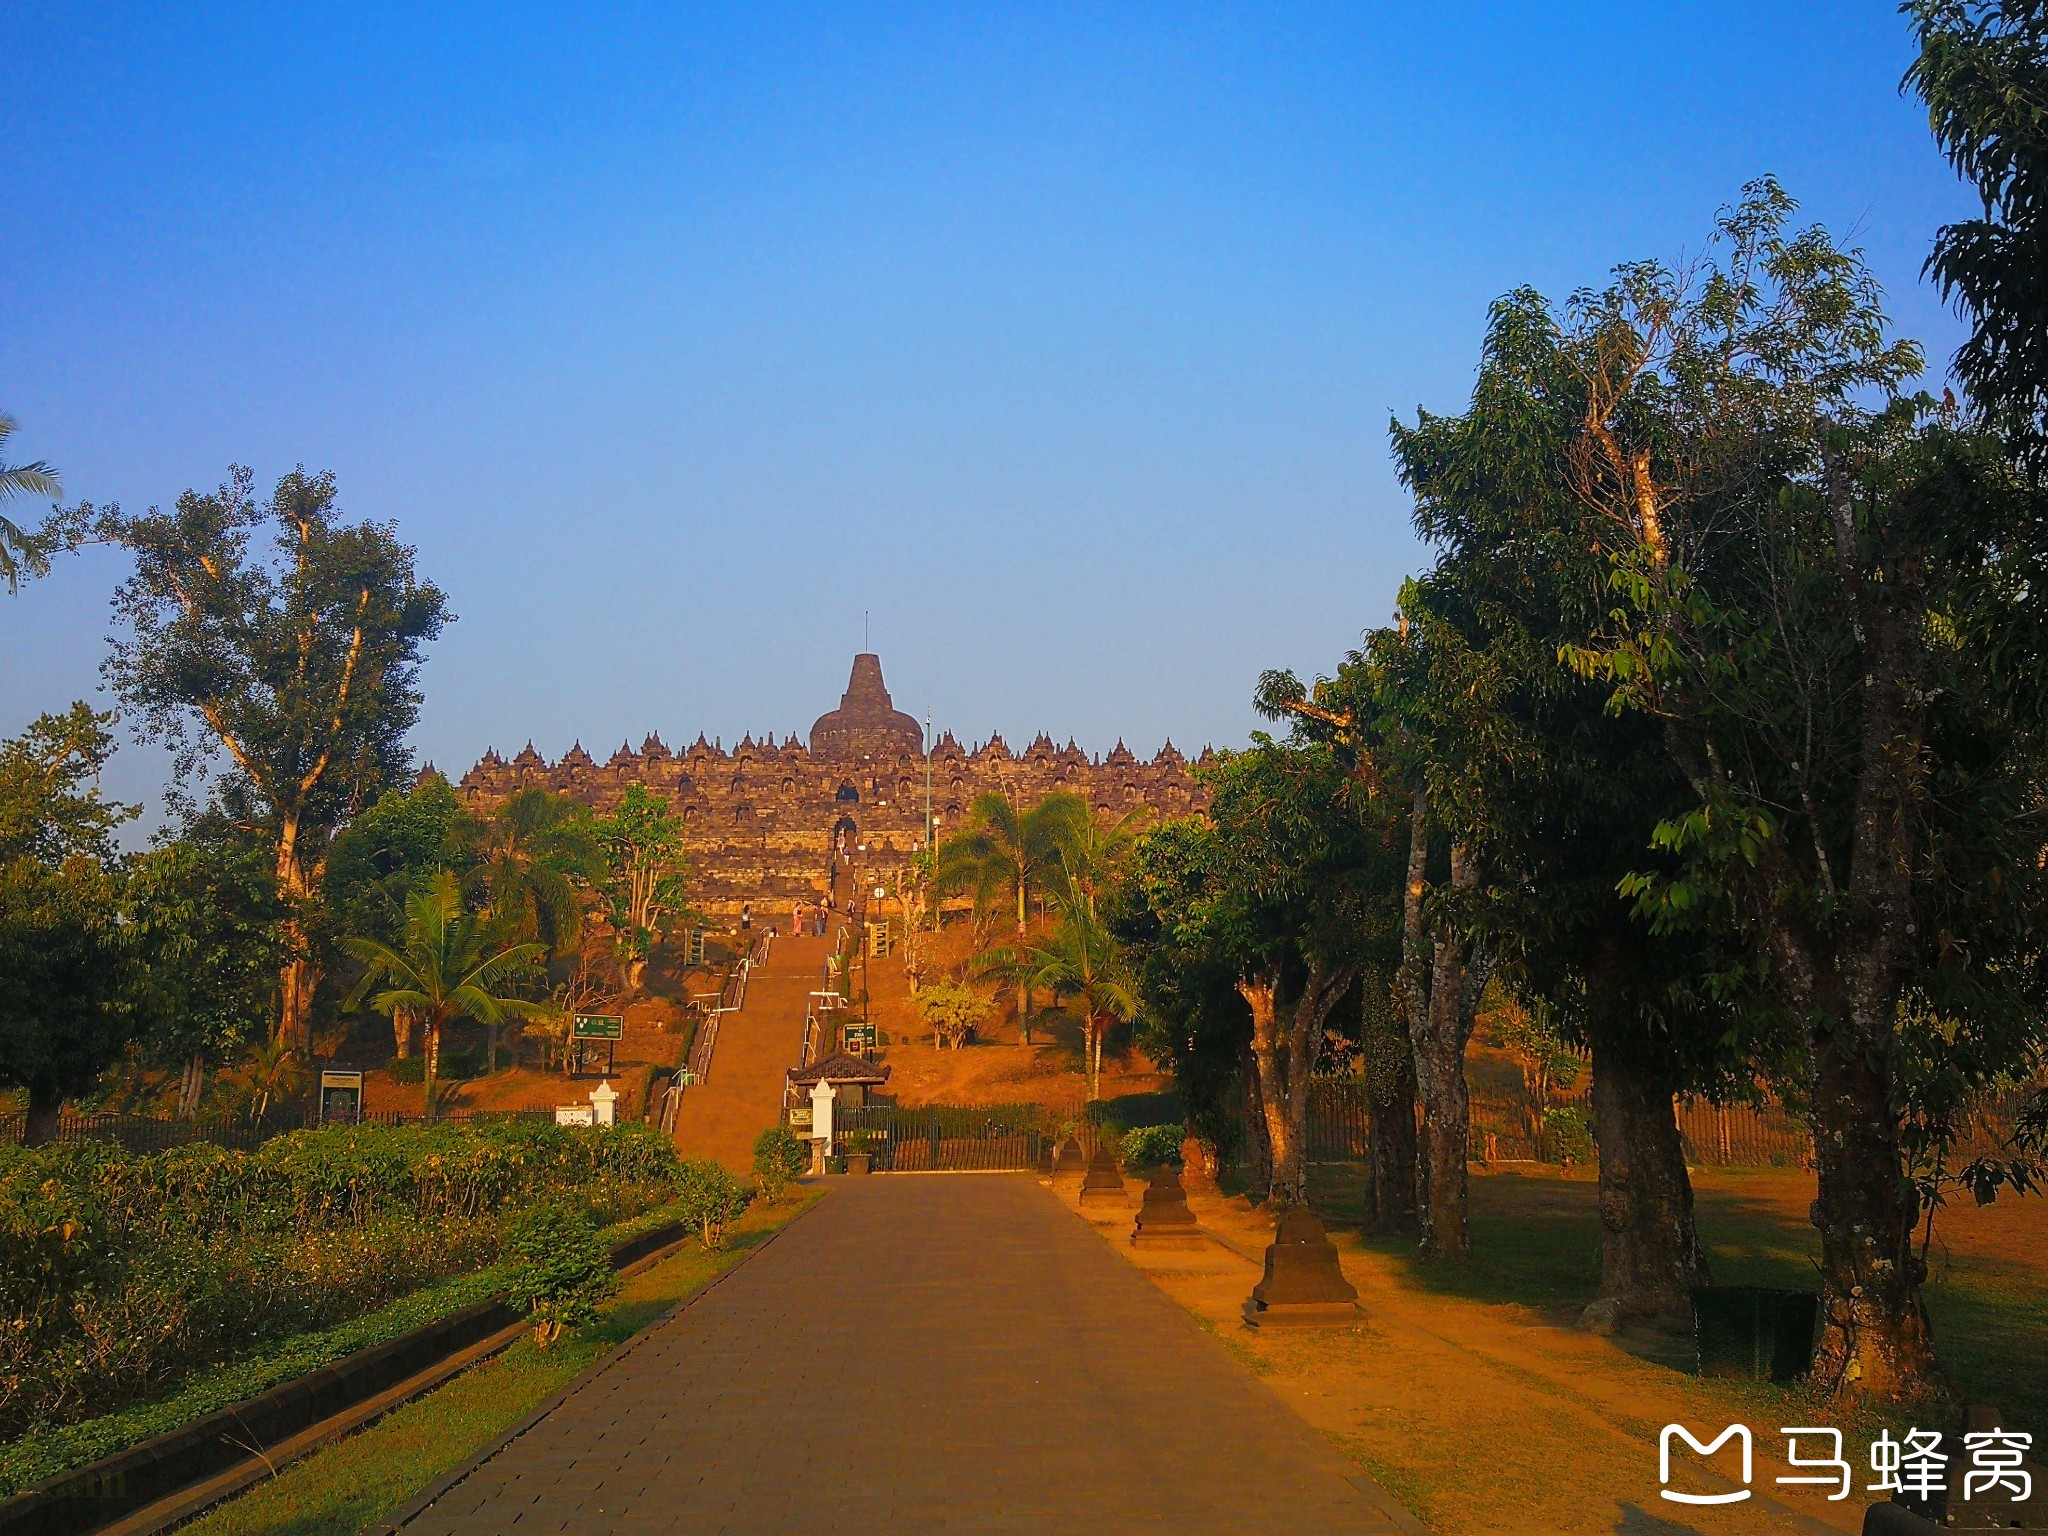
(732, 997)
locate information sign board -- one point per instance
(341, 1098)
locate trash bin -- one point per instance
(1754, 1332)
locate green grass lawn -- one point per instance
(1536, 1243)
(351, 1485)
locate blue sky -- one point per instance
(1061, 339)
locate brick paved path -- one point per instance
(920, 1353)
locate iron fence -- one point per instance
(936, 1138)
(151, 1133)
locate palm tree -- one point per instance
(1088, 855)
(536, 854)
(446, 967)
(1081, 960)
(20, 554)
(1007, 852)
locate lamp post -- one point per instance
(931, 852)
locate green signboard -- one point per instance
(598, 1026)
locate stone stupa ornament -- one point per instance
(1164, 1220)
(1068, 1165)
(1303, 1283)
(1103, 1185)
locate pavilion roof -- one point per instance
(840, 1067)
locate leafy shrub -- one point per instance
(710, 1197)
(1569, 1132)
(454, 1067)
(952, 1012)
(44, 1453)
(1152, 1146)
(779, 1158)
(120, 1275)
(1135, 1109)
(561, 1271)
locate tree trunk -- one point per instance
(1326, 985)
(1287, 1186)
(1258, 1151)
(1023, 987)
(1876, 1339)
(190, 1083)
(491, 1048)
(1391, 1119)
(1456, 978)
(433, 1064)
(1650, 1256)
(44, 1118)
(401, 1032)
(298, 977)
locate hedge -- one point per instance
(122, 1275)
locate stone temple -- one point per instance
(771, 824)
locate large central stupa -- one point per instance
(867, 723)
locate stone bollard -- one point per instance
(1196, 1176)
(1164, 1220)
(1103, 1185)
(1303, 1283)
(1068, 1166)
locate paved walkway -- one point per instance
(920, 1353)
(756, 1046)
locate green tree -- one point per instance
(1287, 890)
(1191, 1019)
(1078, 958)
(65, 961)
(1389, 718)
(537, 854)
(207, 927)
(22, 553)
(299, 662)
(646, 877)
(445, 967)
(388, 853)
(1007, 853)
(1555, 794)
(1820, 592)
(1983, 72)
(779, 1160)
(392, 849)
(561, 1271)
(951, 1012)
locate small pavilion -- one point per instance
(851, 1077)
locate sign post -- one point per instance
(341, 1098)
(608, 1028)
